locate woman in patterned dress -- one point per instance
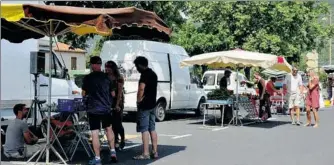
(118, 102)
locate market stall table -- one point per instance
(216, 103)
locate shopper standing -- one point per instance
(146, 103)
(294, 86)
(312, 99)
(264, 98)
(118, 102)
(97, 90)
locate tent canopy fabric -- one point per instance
(240, 58)
(26, 21)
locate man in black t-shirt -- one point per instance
(224, 81)
(223, 84)
(146, 102)
(98, 92)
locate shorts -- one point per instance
(294, 100)
(146, 120)
(95, 121)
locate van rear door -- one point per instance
(180, 82)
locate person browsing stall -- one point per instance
(293, 84)
(146, 103)
(20, 141)
(97, 90)
(118, 102)
(264, 108)
(270, 87)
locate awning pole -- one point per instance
(49, 96)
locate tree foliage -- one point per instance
(281, 28)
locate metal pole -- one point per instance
(237, 97)
(0, 137)
(49, 97)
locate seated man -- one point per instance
(17, 134)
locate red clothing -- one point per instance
(269, 89)
(313, 95)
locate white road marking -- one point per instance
(270, 119)
(132, 146)
(217, 129)
(181, 136)
(209, 127)
(167, 135)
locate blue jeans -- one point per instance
(146, 120)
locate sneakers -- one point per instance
(113, 157)
(298, 123)
(95, 162)
(295, 123)
(122, 145)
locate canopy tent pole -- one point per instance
(48, 146)
(49, 96)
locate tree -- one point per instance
(281, 28)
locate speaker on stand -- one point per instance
(37, 66)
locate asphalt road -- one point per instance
(184, 141)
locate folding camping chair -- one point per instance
(81, 129)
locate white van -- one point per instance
(175, 89)
(17, 82)
(211, 80)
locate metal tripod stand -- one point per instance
(36, 104)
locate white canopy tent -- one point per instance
(237, 59)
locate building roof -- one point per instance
(61, 47)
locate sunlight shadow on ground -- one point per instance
(124, 157)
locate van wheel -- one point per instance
(160, 111)
(200, 108)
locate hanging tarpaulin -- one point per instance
(25, 21)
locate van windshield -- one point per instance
(209, 79)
